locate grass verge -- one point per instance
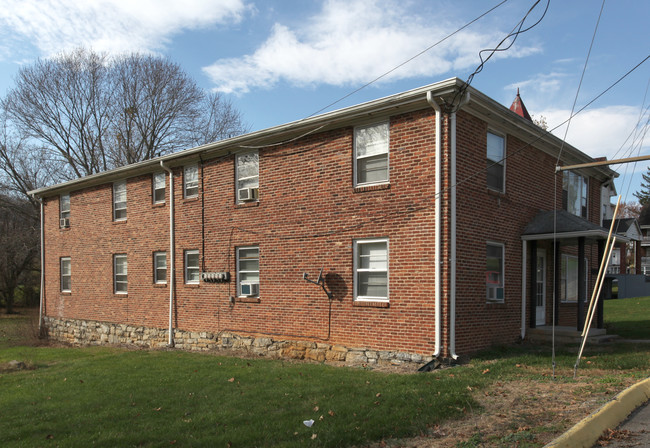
(628, 318)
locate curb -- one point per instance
(586, 432)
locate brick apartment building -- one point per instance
(433, 214)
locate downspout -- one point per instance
(524, 259)
(172, 274)
(452, 274)
(437, 230)
(42, 291)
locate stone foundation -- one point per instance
(82, 332)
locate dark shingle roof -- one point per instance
(545, 222)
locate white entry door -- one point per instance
(540, 288)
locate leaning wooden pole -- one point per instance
(606, 256)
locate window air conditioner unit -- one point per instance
(247, 194)
(250, 289)
(64, 223)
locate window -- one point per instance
(158, 188)
(494, 272)
(120, 272)
(569, 278)
(495, 162)
(66, 275)
(574, 194)
(248, 271)
(247, 174)
(192, 266)
(119, 200)
(371, 154)
(160, 267)
(191, 181)
(64, 210)
(371, 269)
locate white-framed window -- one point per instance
(371, 145)
(191, 181)
(371, 269)
(248, 271)
(66, 274)
(494, 272)
(119, 200)
(575, 193)
(496, 169)
(569, 278)
(64, 210)
(247, 173)
(192, 273)
(120, 274)
(160, 267)
(158, 188)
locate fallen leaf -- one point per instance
(331, 413)
(157, 409)
(486, 371)
(313, 436)
(378, 395)
(320, 418)
(49, 436)
(469, 388)
(231, 380)
(316, 408)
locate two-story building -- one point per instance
(436, 216)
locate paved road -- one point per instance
(638, 425)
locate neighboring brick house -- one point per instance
(428, 211)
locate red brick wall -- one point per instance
(308, 216)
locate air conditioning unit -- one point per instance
(64, 223)
(250, 289)
(247, 194)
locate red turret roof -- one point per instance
(519, 108)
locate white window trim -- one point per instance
(187, 266)
(154, 189)
(238, 271)
(562, 285)
(504, 159)
(354, 151)
(115, 274)
(238, 179)
(156, 280)
(503, 271)
(356, 270)
(586, 180)
(64, 213)
(185, 185)
(116, 185)
(61, 276)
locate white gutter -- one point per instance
(524, 261)
(171, 252)
(437, 230)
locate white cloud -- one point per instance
(352, 42)
(602, 132)
(110, 25)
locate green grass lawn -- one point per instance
(109, 397)
(628, 318)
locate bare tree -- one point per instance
(87, 112)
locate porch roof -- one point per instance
(565, 226)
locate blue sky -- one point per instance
(280, 61)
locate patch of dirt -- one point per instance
(521, 413)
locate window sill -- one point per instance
(190, 199)
(377, 187)
(158, 205)
(247, 299)
(495, 302)
(160, 285)
(65, 293)
(120, 295)
(371, 304)
(192, 285)
(119, 221)
(496, 193)
(248, 204)
(64, 229)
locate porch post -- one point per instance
(600, 304)
(558, 275)
(532, 314)
(582, 291)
